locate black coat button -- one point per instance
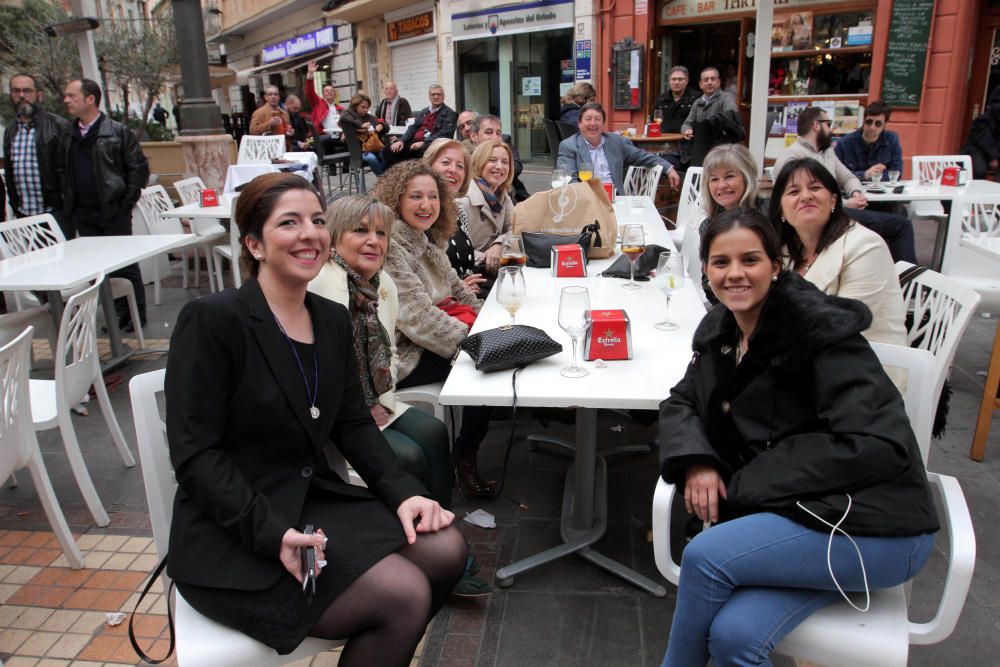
(307, 472)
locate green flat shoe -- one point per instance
(471, 566)
(471, 587)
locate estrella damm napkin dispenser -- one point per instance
(568, 261)
(209, 198)
(610, 335)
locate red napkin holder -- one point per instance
(949, 176)
(653, 130)
(209, 198)
(610, 336)
(610, 189)
(568, 261)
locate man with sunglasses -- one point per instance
(816, 142)
(872, 149)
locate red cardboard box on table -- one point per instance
(949, 176)
(654, 130)
(209, 198)
(609, 189)
(610, 335)
(568, 261)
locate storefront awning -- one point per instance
(278, 11)
(282, 66)
(356, 11)
(220, 76)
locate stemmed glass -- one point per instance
(633, 245)
(876, 180)
(893, 177)
(585, 171)
(560, 178)
(669, 277)
(511, 291)
(574, 318)
(512, 252)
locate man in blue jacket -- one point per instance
(872, 149)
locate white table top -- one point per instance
(74, 262)
(238, 174)
(913, 191)
(220, 212)
(660, 358)
(985, 245)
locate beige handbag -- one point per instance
(566, 211)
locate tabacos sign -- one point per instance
(411, 26)
(324, 38)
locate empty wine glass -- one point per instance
(512, 252)
(893, 177)
(511, 291)
(574, 318)
(633, 245)
(669, 277)
(560, 178)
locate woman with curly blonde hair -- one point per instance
(436, 309)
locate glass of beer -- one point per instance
(633, 245)
(512, 252)
(585, 171)
(511, 291)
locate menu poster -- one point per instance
(777, 128)
(847, 117)
(792, 116)
(792, 32)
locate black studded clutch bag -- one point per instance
(509, 347)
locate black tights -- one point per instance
(385, 611)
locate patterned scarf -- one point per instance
(494, 200)
(371, 341)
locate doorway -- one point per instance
(985, 68)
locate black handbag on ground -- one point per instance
(643, 266)
(538, 245)
(504, 348)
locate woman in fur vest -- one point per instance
(436, 309)
(784, 426)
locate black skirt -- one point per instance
(280, 616)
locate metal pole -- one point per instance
(761, 74)
(199, 113)
(85, 44)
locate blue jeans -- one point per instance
(374, 163)
(747, 583)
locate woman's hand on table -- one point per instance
(418, 514)
(702, 488)
(492, 258)
(292, 541)
(380, 415)
(473, 281)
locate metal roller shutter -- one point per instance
(414, 69)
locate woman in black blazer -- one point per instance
(259, 382)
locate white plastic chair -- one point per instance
(689, 208)
(51, 400)
(941, 310)
(24, 235)
(642, 181)
(260, 149)
(201, 642)
(838, 635)
(229, 252)
(690, 249)
(189, 191)
(974, 222)
(18, 444)
(930, 168)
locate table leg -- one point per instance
(584, 513)
(989, 404)
(119, 352)
(56, 311)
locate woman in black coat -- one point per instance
(260, 381)
(784, 426)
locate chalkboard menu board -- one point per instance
(906, 56)
(626, 72)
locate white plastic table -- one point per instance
(220, 212)
(913, 191)
(659, 362)
(238, 174)
(75, 262)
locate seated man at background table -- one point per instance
(433, 122)
(815, 139)
(983, 144)
(393, 109)
(674, 105)
(872, 149)
(269, 118)
(608, 152)
(297, 132)
(714, 118)
(484, 128)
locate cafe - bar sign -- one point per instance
(323, 38)
(672, 10)
(411, 26)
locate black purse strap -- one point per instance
(910, 273)
(170, 617)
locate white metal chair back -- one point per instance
(16, 430)
(76, 361)
(919, 398)
(153, 201)
(973, 217)
(941, 309)
(689, 208)
(690, 251)
(930, 167)
(189, 189)
(24, 235)
(151, 438)
(260, 150)
(642, 181)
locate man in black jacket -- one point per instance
(433, 122)
(392, 110)
(105, 174)
(34, 146)
(983, 143)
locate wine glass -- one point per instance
(511, 291)
(876, 180)
(574, 318)
(512, 252)
(585, 171)
(633, 245)
(560, 178)
(669, 277)
(893, 177)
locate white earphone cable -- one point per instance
(829, 548)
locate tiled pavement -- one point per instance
(565, 613)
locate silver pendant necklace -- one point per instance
(310, 395)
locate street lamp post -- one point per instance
(200, 115)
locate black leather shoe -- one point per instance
(470, 483)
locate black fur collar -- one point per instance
(797, 319)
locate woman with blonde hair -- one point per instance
(576, 97)
(488, 205)
(729, 179)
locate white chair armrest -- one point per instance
(663, 498)
(962, 560)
